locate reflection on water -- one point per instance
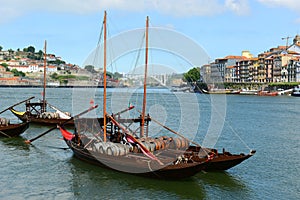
(89, 180)
(16, 143)
(221, 179)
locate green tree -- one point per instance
(41, 53)
(10, 51)
(17, 73)
(117, 75)
(192, 75)
(54, 76)
(90, 68)
(1, 48)
(31, 49)
(57, 62)
(109, 74)
(6, 66)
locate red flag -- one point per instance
(66, 134)
(130, 106)
(145, 151)
(92, 102)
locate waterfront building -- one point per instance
(219, 67)
(247, 70)
(205, 72)
(293, 69)
(261, 74)
(230, 74)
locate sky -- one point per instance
(220, 27)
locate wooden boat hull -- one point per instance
(33, 119)
(220, 161)
(265, 93)
(223, 162)
(137, 165)
(221, 91)
(13, 130)
(51, 122)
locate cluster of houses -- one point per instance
(280, 64)
(33, 69)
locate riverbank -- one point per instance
(271, 87)
(51, 86)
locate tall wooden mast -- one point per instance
(45, 68)
(145, 79)
(104, 78)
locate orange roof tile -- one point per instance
(10, 79)
(230, 67)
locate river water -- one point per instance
(270, 125)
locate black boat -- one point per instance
(137, 160)
(12, 130)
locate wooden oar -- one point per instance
(125, 110)
(176, 133)
(16, 105)
(1, 132)
(61, 124)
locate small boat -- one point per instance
(221, 91)
(37, 112)
(35, 115)
(248, 92)
(267, 93)
(8, 129)
(137, 159)
(296, 91)
(11, 130)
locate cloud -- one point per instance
(297, 21)
(15, 8)
(290, 4)
(240, 7)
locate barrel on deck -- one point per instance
(110, 148)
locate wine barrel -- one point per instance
(175, 143)
(111, 149)
(152, 146)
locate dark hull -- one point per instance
(34, 119)
(13, 130)
(221, 161)
(137, 167)
(295, 94)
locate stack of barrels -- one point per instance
(51, 115)
(110, 148)
(154, 144)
